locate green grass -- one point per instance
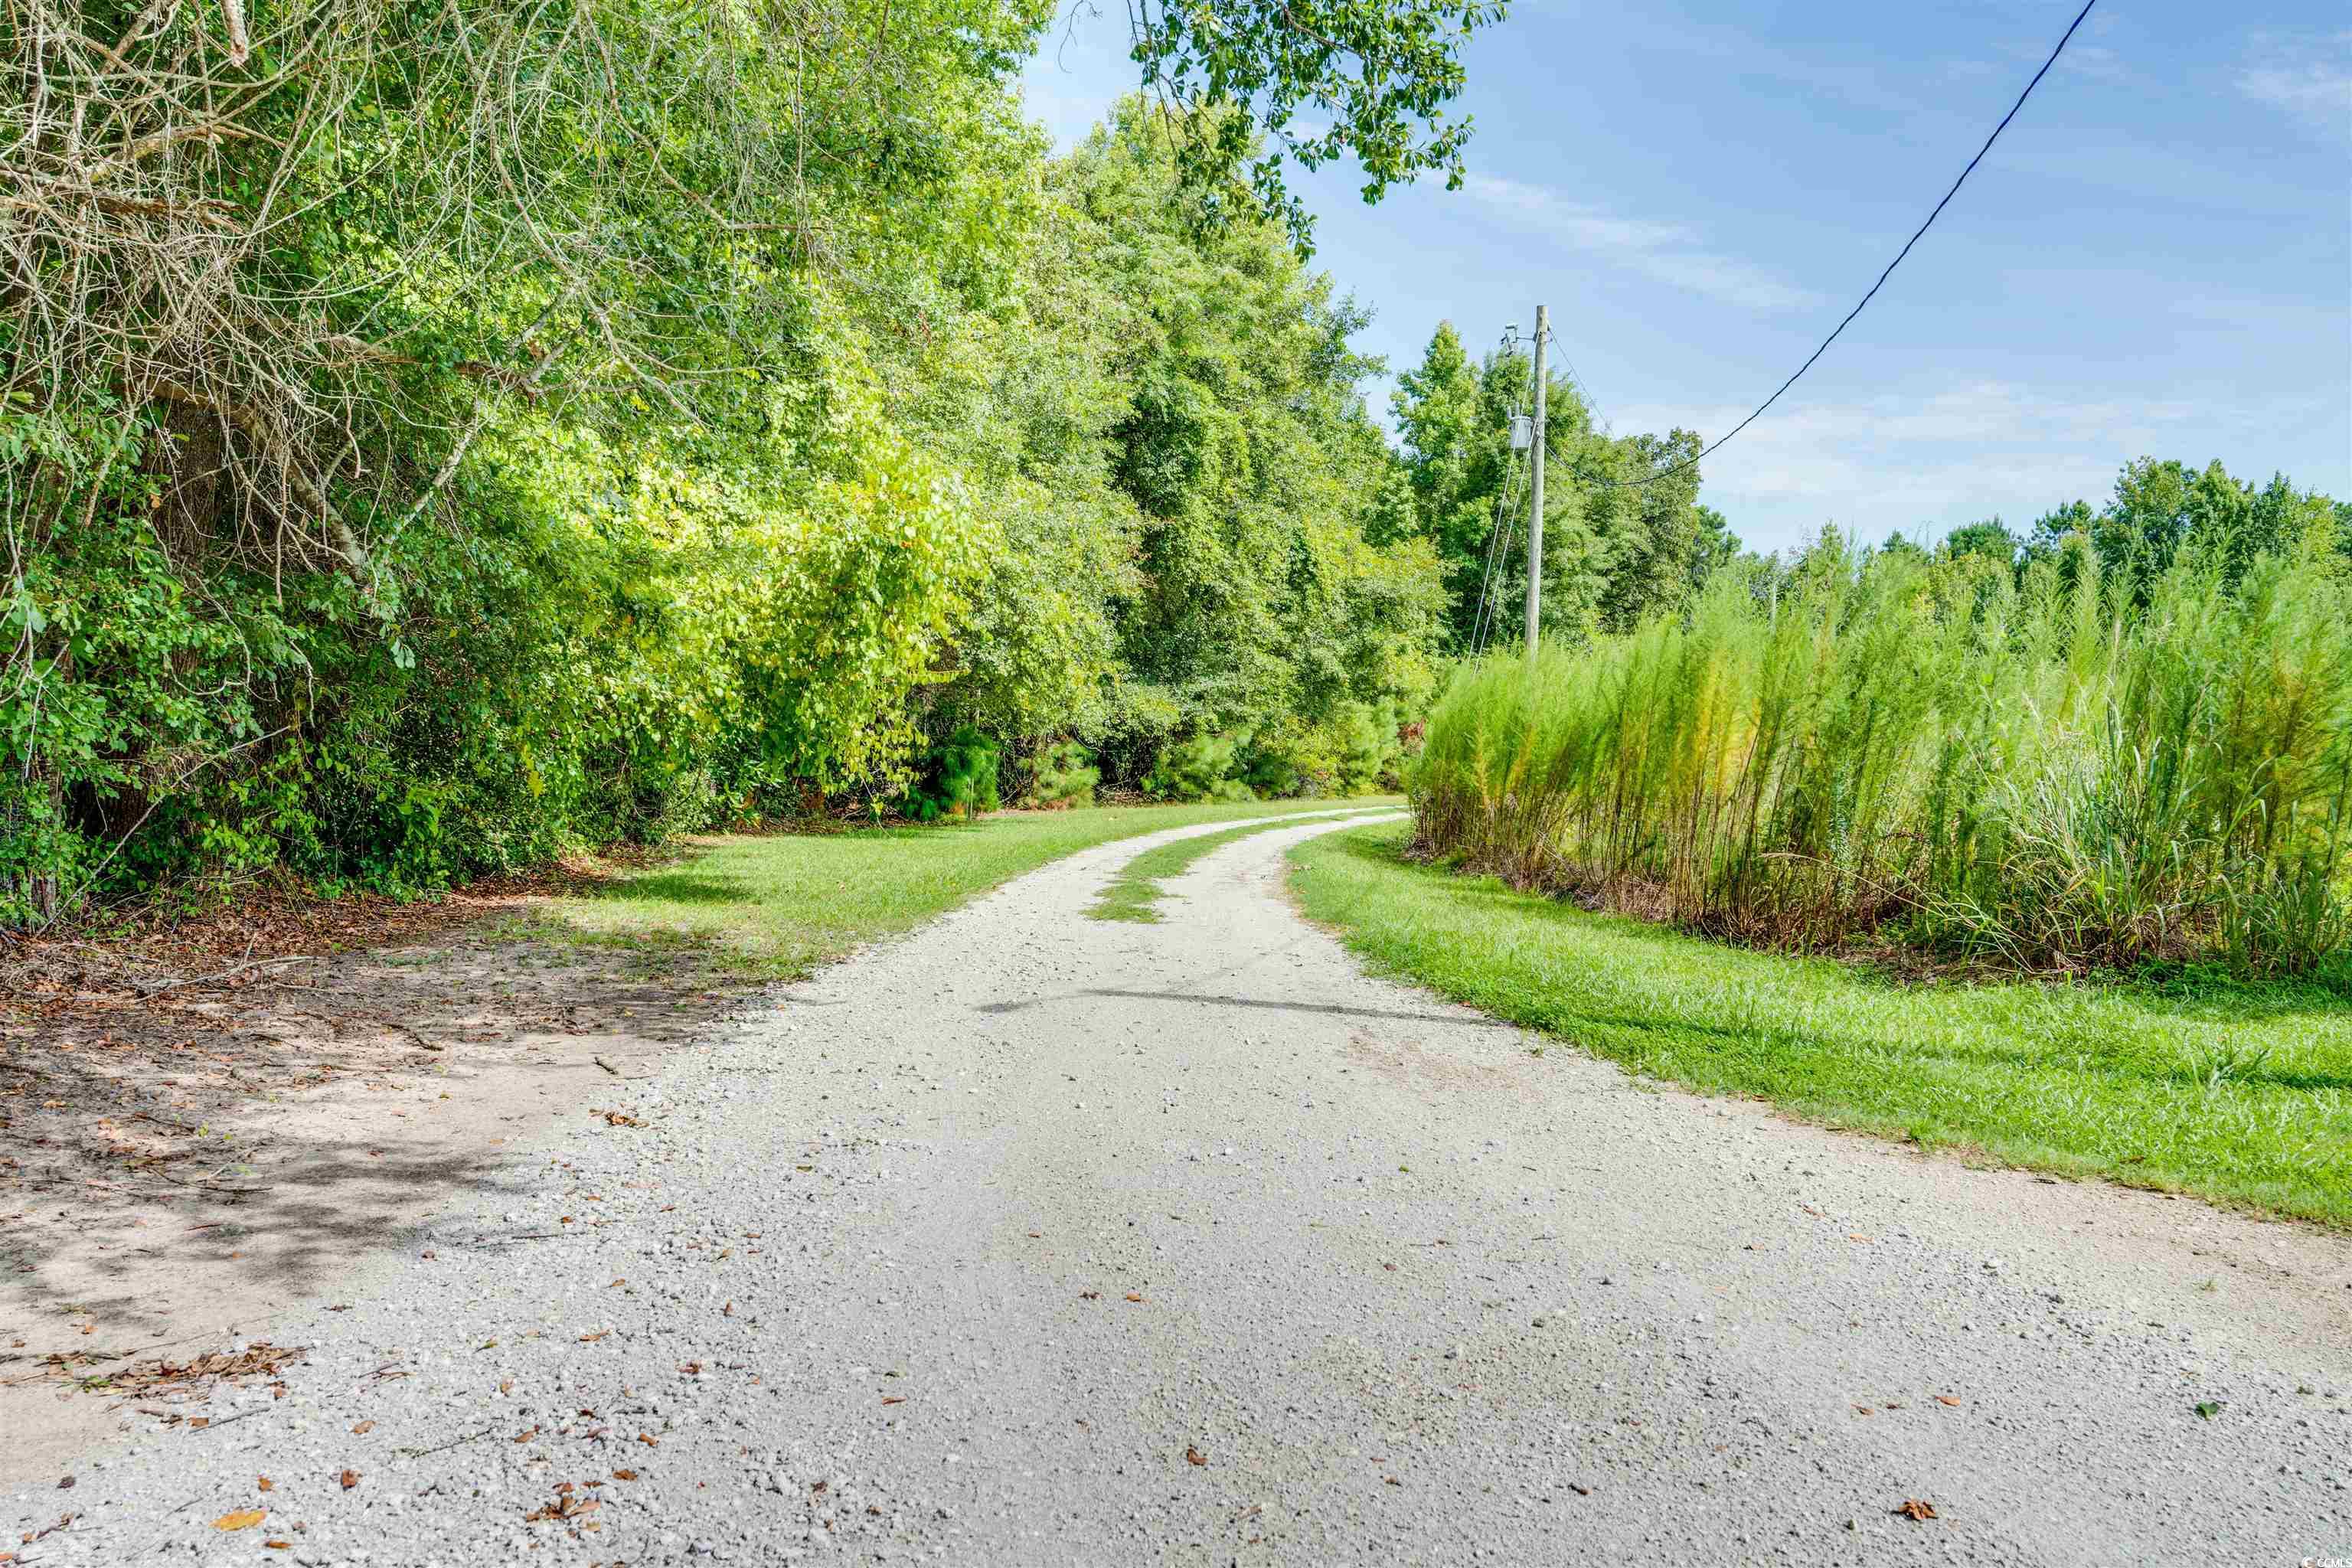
(777, 905)
(2238, 1092)
(2055, 776)
(1135, 893)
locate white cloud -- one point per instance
(1930, 460)
(2308, 77)
(1669, 252)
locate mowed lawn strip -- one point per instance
(2240, 1093)
(781, 904)
(1135, 893)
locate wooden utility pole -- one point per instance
(1535, 491)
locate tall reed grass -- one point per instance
(2047, 769)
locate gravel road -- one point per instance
(1029, 1239)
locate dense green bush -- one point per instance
(959, 783)
(1205, 767)
(1063, 775)
(2047, 764)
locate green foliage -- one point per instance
(2159, 508)
(961, 781)
(1988, 538)
(2065, 772)
(1614, 550)
(1270, 596)
(778, 478)
(1063, 775)
(1370, 75)
(1205, 767)
(1371, 756)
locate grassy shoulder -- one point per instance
(2240, 1093)
(781, 904)
(1135, 893)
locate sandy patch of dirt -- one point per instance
(202, 1125)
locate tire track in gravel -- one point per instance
(1028, 1239)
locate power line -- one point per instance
(1850, 315)
(1498, 546)
(1498, 538)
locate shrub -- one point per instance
(960, 780)
(1370, 756)
(1064, 775)
(1202, 768)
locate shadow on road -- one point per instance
(1463, 1018)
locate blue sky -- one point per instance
(2156, 258)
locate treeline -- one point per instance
(434, 437)
(2124, 737)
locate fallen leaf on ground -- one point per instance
(895, 1399)
(242, 1519)
(1133, 1297)
(1863, 1410)
(1945, 1399)
(279, 1545)
(526, 1437)
(592, 1339)
(565, 1506)
(624, 1475)
(1856, 1236)
(1194, 1457)
(351, 1479)
(1916, 1509)
(264, 1483)
(363, 1428)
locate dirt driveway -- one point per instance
(1033, 1239)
